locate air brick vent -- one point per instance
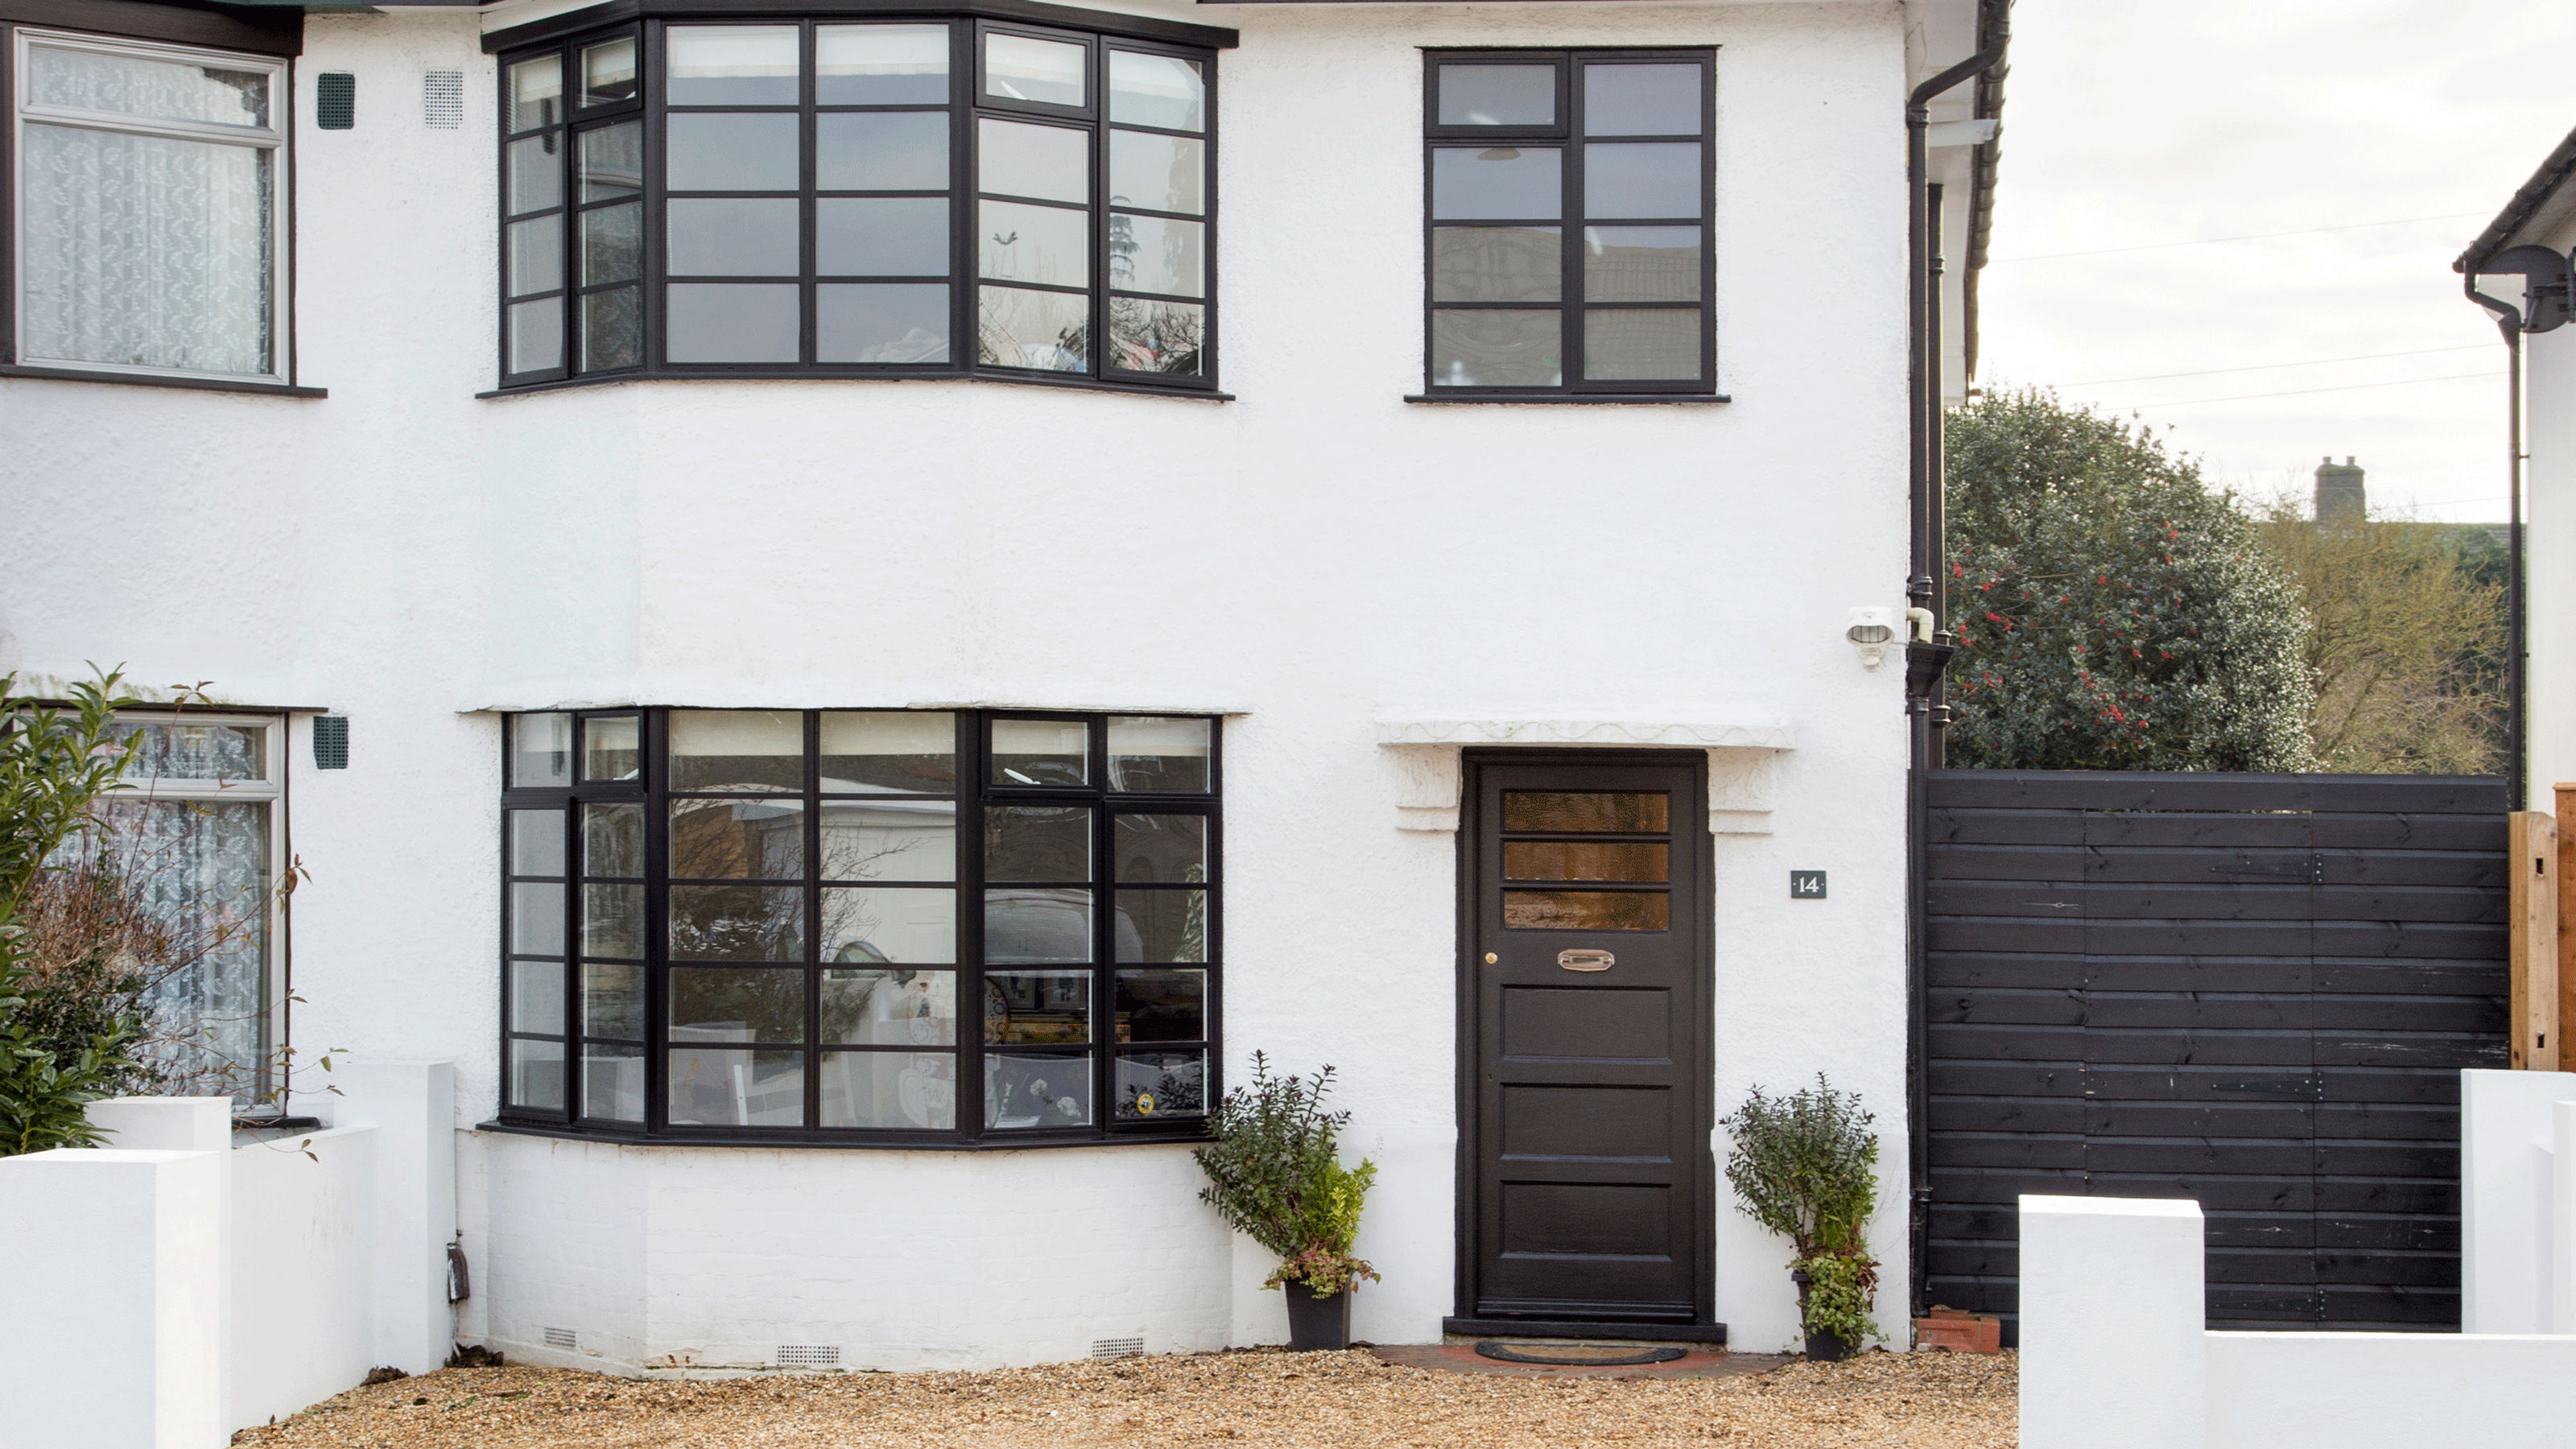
(442, 99)
(562, 1338)
(1117, 1348)
(335, 100)
(809, 1355)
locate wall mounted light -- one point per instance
(1869, 632)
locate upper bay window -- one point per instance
(1566, 250)
(889, 197)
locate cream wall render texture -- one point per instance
(1312, 557)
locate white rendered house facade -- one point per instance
(850, 605)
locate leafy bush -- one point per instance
(1806, 1166)
(1275, 1173)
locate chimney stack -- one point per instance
(2341, 500)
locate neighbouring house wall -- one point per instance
(1313, 557)
(2549, 559)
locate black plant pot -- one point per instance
(1317, 1322)
(1821, 1347)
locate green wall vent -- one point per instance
(330, 742)
(335, 100)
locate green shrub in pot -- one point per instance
(1806, 1167)
(1275, 1173)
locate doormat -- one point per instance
(1577, 1355)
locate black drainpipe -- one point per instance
(1924, 659)
(2547, 305)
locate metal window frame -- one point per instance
(277, 138)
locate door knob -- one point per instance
(1491, 958)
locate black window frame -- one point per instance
(967, 102)
(974, 794)
(1567, 132)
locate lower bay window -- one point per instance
(913, 927)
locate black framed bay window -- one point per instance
(853, 926)
(876, 195)
(1566, 246)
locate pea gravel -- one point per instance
(1259, 1398)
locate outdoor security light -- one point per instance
(1870, 630)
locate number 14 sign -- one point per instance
(1806, 885)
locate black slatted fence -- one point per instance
(2252, 990)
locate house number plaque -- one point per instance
(1586, 960)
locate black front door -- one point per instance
(1586, 1174)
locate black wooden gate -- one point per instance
(2253, 990)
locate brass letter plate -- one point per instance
(1586, 960)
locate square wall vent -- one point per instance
(442, 99)
(562, 1338)
(1118, 1348)
(809, 1355)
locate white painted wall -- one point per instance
(1316, 555)
(2549, 557)
(2509, 1168)
(303, 1315)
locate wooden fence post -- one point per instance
(2532, 842)
(2566, 867)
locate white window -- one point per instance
(151, 231)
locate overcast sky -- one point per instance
(2130, 125)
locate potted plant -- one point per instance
(1274, 1173)
(1806, 1166)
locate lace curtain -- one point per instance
(202, 868)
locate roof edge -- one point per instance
(2526, 204)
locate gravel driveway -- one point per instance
(1257, 1398)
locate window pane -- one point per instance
(1570, 811)
(1641, 345)
(135, 86)
(537, 997)
(1022, 243)
(889, 752)
(881, 151)
(537, 1075)
(536, 255)
(880, 65)
(1641, 263)
(737, 749)
(187, 750)
(1023, 927)
(1037, 843)
(536, 335)
(899, 1090)
(536, 920)
(1049, 331)
(1037, 1008)
(732, 323)
(612, 839)
(1041, 752)
(1496, 349)
(612, 161)
(536, 93)
(101, 209)
(1660, 179)
(883, 925)
(540, 751)
(612, 1000)
(1157, 90)
(608, 72)
(1160, 1084)
(737, 1003)
(1160, 1006)
(536, 842)
(612, 921)
(712, 1087)
(612, 1082)
(1151, 753)
(890, 838)
(210, 884)
(1157, 849)
(735, 237)
(881, 236)
(1584, 860)
(737, 923)
(1498, 95)
(880, 322)
(536, 174)
(1154, 254)
(612, 748)
(731, 152)
(1497, 263)
(1023, 68)
(732, 65)
(1050, 163)
(1158, 173)
(1165, 337)
(1498, 183)
(737, 839)
(1642, 100)
(612, 328)
(1161, 926)
(1026, 1090)
(1587, 910)
(871, 1007)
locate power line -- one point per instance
(2269, 366)
(2249, 236)
(2302, 392)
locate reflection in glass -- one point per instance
(537, 1075)
(537, 997)
(1029, 926)
(737, 923)
(1037, 843)
(880, 65)
(889, 839)
(1587, 910)
(1641, 263)
(536, 175)
(1165, 926)
(536, 335)
(612, 162)
(731, 322)
(737, 749)
(611, 748)
(1046, 244)
(540, 751)
(1498, 95)
(612, 920)
(732, 65)
(1583, 860)
(900, 1090)
(536, 842)
(1041, 752)
(1156, 90)
(1161, 1006)
(1497, 263)
(1023, 1089)
(163, 750)
(1496, 349)
(737, 839)
(536, 919)
(1159, 848)
(888, 322)
(737, 1003)
(1037, 1008)
(1642, 100)
(1157, 173)
(889, 1007)
(612, 1082)
(1024, 68)
(1497, 183)
(868, 752)
(612, 838)
(612, 1000)
(1049, 163)
(608, 72)
(712, 1087)
(1657, 179)
(719, 151)
(1159, 1084)
(1641, 344)
(612, 323)
(1154, 254)
(734, 237)
(1165, 337)
(1044, 331)
(536, 93)
(881, 151)
(536, 255)
(871, 925)
(1568, 810)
